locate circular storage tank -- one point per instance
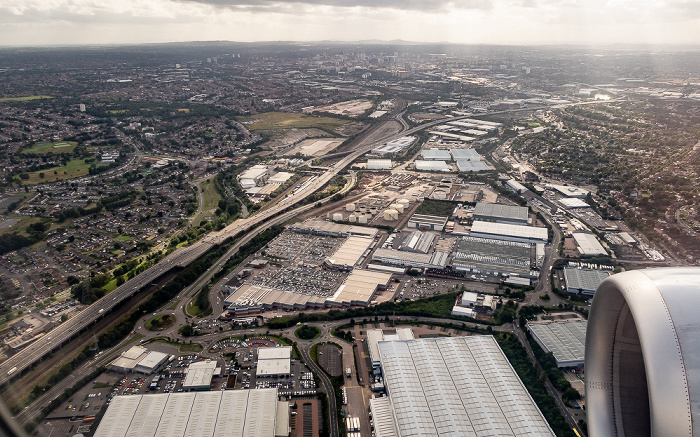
(362, 219)
(350, 207)
(338, 217)
(398, 207)
(352, 218)
(391, 215)
(404, 202)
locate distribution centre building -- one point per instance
(566, 340)
(138, 359)
(494, 212)
(588, 244)
(583, 281)
(457, 386)
(502, 231)
(230, 413)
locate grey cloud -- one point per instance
(284, 6)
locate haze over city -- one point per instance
(86, 22)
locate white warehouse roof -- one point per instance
(199, 375)
(588, 244)
(239, 413)
(436, 155)
(274, 361)
(457, 386)
(503, 231)
(432, 165)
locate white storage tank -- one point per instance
(391, 215)
(350, 207)
(352, 218)
(338, 217)
(404, 202)
(362, 219)
(397, 206)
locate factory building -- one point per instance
(516, 186)
(349, 253)
(274, 362)
(320, 227)
(509, 214)
(588, 244)
(423, 165)
(410, 259)
(471, 303)
(498, 257)
(256, 176)
(418, 241)
(199, 375)
(456, 386)
(583, 281)
(572, 203)
(502, 231)
(231, 413)
(569, 190)
(138, 359)
(394, 146)
(468, 166)
(357, 290)
(427, 222)
(566, 340)
(435, 155)
(379, 164)
(464, 155)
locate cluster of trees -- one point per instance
(35, 233)
(436, 306)
(517, 355)
(436, 207)
(555, 375)
(306, 332)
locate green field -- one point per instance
(75, 168)
(211, 197)
(51, 148)
(284, 120)
(23, 99)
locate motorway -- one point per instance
(63, 333)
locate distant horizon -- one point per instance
(370, 42)
(491, 22)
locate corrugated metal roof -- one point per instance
(457, 386)
(239, 413)
(565, 340)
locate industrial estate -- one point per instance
(333, 239)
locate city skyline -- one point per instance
(519, 22)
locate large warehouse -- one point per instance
(588, 244)
(457, 386)
(410, 259)
(494, 212)
(482, 255)
(502, 231)
(424, 165)
(583, 281)
(566, 340)
(230, 413)
(379, 164)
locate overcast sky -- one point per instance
(50, 22)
